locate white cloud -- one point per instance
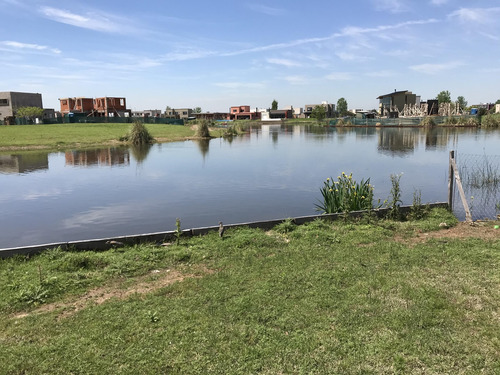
(91, 20)
(476, 15)
(28, 47)
(439, 2)
(284, 62)
(436, 68)
(270, 11)
(339, 76)
(392, 6)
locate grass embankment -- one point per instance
(337, 298)
(56, 136)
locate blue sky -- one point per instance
(219, 53)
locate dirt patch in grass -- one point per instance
(118, 289)
(478, 229)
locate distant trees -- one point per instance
(30, 113)
(342, 107)
(444, 97)
(197, 110)
(319, 113)
(274, 105)
(462, 103)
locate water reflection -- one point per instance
(24, 163)
(204, 145)
(140, 152)
(100, 157)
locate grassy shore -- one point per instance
(371, 297)
(57, 136)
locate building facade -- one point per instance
(10, 101)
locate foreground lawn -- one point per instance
(323, 298)
(70, 135)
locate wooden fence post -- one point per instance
(450, 181)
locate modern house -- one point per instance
(10, 101)
(329, 109)
(396, 101)
(179, 113)
(243, 112)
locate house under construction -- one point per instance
(98, 107)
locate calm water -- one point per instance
(272, 172)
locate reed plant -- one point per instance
(490, 121)
(345, 195)
(202, 130)
(139, 134)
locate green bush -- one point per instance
(427, 121)
(345, 195)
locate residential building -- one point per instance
(329, 109)
(76, 105)
(243, 112)
(111, 107)
(180, 113)
(10, 101)
(99, 107)
(396, 101)
(212, 116)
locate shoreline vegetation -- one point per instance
(348, 296)
(85, 135)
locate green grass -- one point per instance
(321, 298)
(55, 136)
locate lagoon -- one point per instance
(271, 172)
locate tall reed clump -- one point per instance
(139, 135)
(490, 121)
(202, 130)
(345, 195)
(427, 121)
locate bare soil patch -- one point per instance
(151, 282)
(478, 229)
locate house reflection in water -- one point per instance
(24, 163)
(99, 157)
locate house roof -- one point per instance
(392, 93)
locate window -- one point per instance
(4, 102)
(122, 102)
(184, 113)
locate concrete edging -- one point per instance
(160, 237)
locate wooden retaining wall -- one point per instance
(170, 236)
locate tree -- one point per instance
(342, 107)
(197, 110)
(444, 97)
(274, 105)
(462, 103)
(498, 101)
(30, 113)
(319, 113)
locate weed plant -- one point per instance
(345, 195)
(394, 201)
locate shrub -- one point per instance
(490, 121)
(345, 195)
(202, 130)
(139, 135)
(427, 121)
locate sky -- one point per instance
(222, 53)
